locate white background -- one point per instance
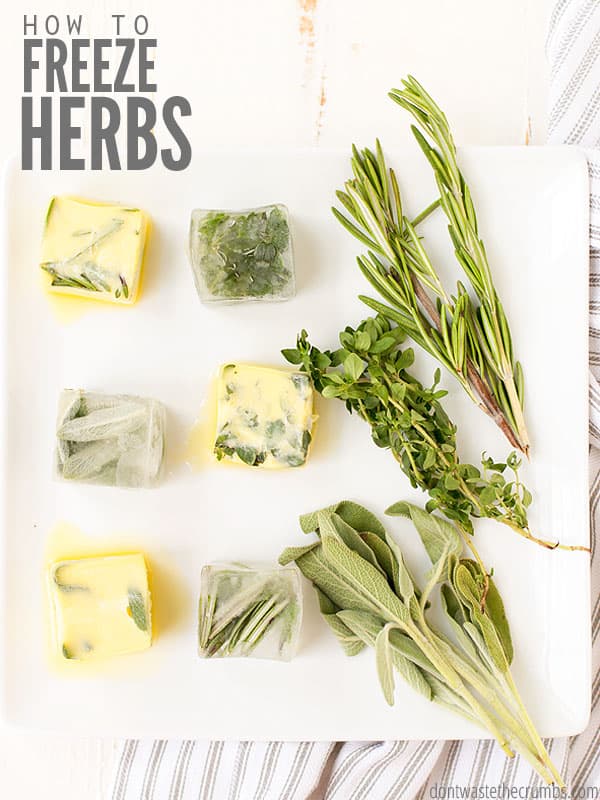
(294, 73)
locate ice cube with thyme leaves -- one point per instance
(249, 610)
(92, 249)
(115, 440)
(242, 255)
(264, 416)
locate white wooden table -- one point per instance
(293, 73)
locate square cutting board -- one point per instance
(532, 206)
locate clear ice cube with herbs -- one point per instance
(249, 611)
(242, 255)
(115, 440)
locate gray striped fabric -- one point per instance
(186, 770)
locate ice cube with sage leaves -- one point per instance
(242, 255)
(115, 440)
(93, 249)
(249, 610)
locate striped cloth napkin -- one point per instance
(182, 770)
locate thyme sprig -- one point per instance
(471, 338)
(369, 373)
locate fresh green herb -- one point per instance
(104, 423)
(244, 255)
(369, 598)
(369, 373)
(245, 433)
(137, 608)
(124, 287)
(67, 587)
(60, 279)
(88, 275)
(67, 653)
(115, 225)
(49, 210)
(470, 338)
(241, 608)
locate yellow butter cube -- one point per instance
(264, 416)
(101, 606)
(94, 249)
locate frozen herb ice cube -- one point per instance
(116, 440)
(249, 611)
(92, 249)
(264, 416)
(242, 255)
(101, 606)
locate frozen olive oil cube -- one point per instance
(101, 606)
(249, 611)
(115, 440)
(264, 416)
(94, 249)
(242, 255)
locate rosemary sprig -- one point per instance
(240, 609)
(369, 598)
(470, 338)
(369, 373)
(80, 282)
(90, 277)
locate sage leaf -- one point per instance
(90, 460)
(360, 518)
(368, 627)
(437, 534)
(320, 571)
(494, 608)
(363, 577)
(352, 539)
(294, 553)
(492, 640)
(385, 558)
(355, 515)
(350, 642)
(439, 572)
(103, 423)
(383, 661)
(137, 608)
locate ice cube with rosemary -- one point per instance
(242, 255)
(101, 606)
(92, 249)
(264, 416)
(116, 440)
(249, 611)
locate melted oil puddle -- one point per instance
(171, 604)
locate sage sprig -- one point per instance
(369, 373)
(368, 597)
(471, 338)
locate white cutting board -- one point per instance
(532, 205)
